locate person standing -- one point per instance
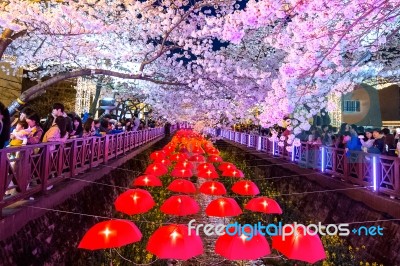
(58, 110)
(367, 141)
(379, 143)
(35, 131)
(57, 132)
(5, 125)
(136, 123)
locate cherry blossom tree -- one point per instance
(117, 34)
(328, 46)
(212, 60)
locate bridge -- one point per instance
(379, 172)
(32, 169)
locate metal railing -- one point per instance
(30, 169)
(379, 172)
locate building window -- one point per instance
(351, 106)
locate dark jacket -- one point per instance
(390, 147)
(378, 146)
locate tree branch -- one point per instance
(28, 94)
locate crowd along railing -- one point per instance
(380, 173)
(27, 170)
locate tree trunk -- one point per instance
(93, 106)
(5, 41)
(7, 37)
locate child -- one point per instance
(19, 134)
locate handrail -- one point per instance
(379, 172)
(33, 168)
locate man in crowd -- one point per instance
(58, 110)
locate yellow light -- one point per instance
(265, 203)
(135, 197)
(146, 180)
(174, 235)
(106, 232)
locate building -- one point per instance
(10, 83)
(389, 101)
(362, 107)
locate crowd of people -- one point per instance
(349, 137)
(59, 126)
(354, 138)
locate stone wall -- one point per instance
(327, 208)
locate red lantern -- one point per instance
(178, 157)
(245, 188)
(213, 188)
(264, 205)
(197, 158)
(181, 172)
(197, 150)
(233, 173)
(235, 246)
(181, 205)
(147, 181)
(168, 149)
(134, 201)
(156, 169)
(226, 166)
(174, 242)
(184, 165)
(205, 166)
(299, 245)
(214, 159)
(208, 174)
(157, 155)
(223, 207)
(213, 151)
(182, 186)
(164, 162)
(110, 234)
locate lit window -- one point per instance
(351, 106)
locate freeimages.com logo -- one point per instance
(285, 230)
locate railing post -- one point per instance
(106, 144)
(334, 160)
(345, 166)
(60, 164)
(91, 156)
(73, 158)
(24, 169)
(259, 138)
(397, 176)
(375, 171)
(45, 166)
(3, 175)
(248, 140)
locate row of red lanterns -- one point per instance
(173, 241)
